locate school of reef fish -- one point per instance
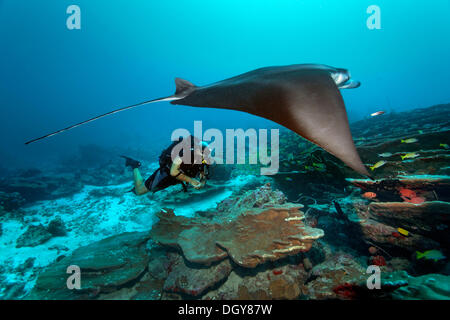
(309, 232)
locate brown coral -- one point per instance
(256, 236)
(106, 266)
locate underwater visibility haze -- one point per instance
(357, 181)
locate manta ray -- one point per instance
(304, 98)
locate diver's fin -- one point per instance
(170, 98)
(129, 162)
(184, 87)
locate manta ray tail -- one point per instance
(101, 116)
(183, 88)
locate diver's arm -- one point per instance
(175, 172)
(139, 185)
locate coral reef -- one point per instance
(427, 222)
(10, 201)
(56, 227)
(253, 237)
(33, 236)
(105, 266)
(38, 234)
(337, 270)
(242, 238)
(281, 282)
(49, 186)
(269, 241)
(173, 262)
(426, 287)
(194, 281)
(260, 198)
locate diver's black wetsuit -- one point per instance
(162, 179)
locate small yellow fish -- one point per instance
(378, 164)
(410, 155)
(288, 179)
(403, 232)
(420, 131)
(385, 154)
(319, 165)
(444, 145)
(430, 255)
(410, 140)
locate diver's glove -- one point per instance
(134, 164)
(196, 184)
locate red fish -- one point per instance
(407, 193)
(369, 195)
(346, 290)
(373, 250)
(277, 272)
(377, 261)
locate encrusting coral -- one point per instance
(252, 238)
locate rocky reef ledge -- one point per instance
(191, 257)
(418, 204)
(255, 245)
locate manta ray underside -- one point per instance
(304, 98)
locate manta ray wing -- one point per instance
(306, 101)
(314, 108)
(303, 98)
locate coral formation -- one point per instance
(426, 223)
(10, 201)
(252, 240)
(253, 237)
(106, 266)
(260, 198)
(56, 227)
(425, 287)
(242, 238)
(194, 281)
(33, 236)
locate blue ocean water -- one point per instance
(72, 190)
(127, 52)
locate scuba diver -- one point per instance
(175, 168)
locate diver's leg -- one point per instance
(139, 185)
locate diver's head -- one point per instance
(206, 153)
(201, 151)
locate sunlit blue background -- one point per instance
(129, 51)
